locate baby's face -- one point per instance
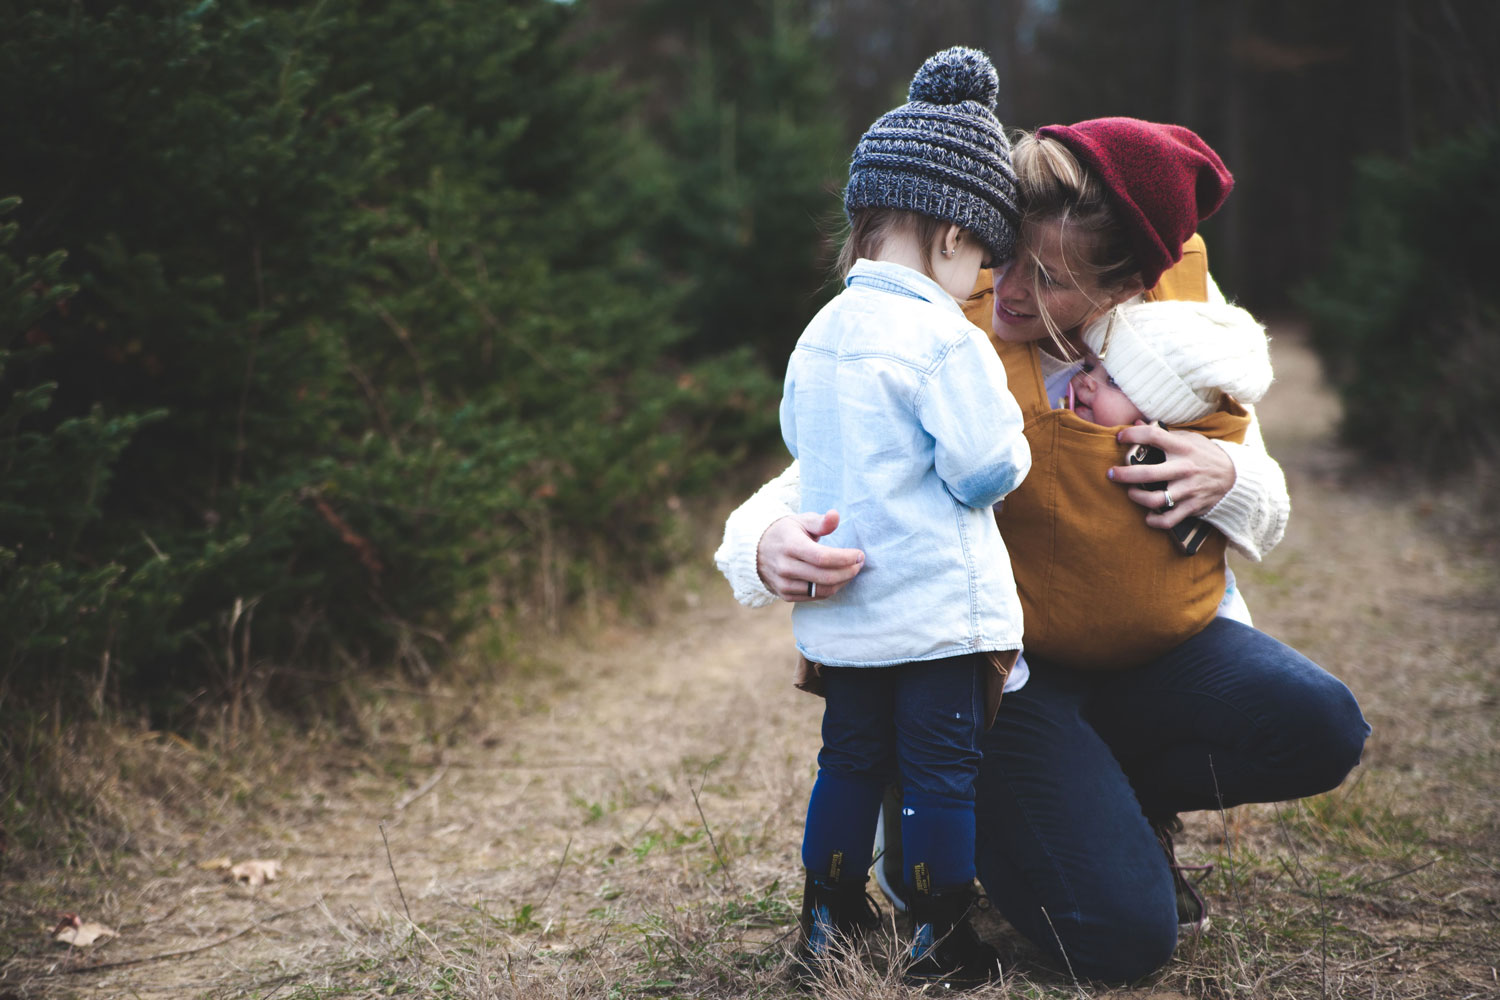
(1097, 399)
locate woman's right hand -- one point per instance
(789, 558)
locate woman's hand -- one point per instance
(1197, 472)
(789, 558)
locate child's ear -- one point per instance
(949, 240)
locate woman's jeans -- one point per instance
(916, 722)
(1077, 761)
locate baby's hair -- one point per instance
(870, 228)
(1055, 187)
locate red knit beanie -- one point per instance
(1162, 179)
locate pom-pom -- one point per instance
(955, 75)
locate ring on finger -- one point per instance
(1168, 503)
(812, 589)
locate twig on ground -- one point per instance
(1288, 967)
(723, 865)
(556, 874)
(1391, 878)
(1234, 881)
(1323, 942)
(185, 951)
(647, 821)
(1372, 959)
(397, 878)
(1291, 845)
(1064, 953)
(423, 789)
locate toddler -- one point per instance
(897, 410)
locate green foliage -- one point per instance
(56, 600)
(760, 163)
(1406, 318)
(360, 336)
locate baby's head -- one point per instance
(1170, 361)
(1095, 396)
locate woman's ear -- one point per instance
(1132, 287)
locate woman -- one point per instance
(1084, 772)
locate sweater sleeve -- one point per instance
(1253, 514)
(736, 557)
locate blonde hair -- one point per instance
(1056, 188)
(870, 228)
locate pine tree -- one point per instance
(366, 326)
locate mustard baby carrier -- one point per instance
(1099, 588)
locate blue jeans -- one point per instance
(1076, 762)
(916, 722)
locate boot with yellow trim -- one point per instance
(835, 914)
(946, 953)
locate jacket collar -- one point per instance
(899, 279)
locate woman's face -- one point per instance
(1068, 296)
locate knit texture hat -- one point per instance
(1175, 359)
(1162, 179)
(943, 154)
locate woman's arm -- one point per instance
(1253, 514)
(1237, 488)
(771, 551)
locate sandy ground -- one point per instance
(619, 799)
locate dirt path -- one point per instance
(618, 821)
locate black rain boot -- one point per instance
(1192, 908)
(945, 950)
(833, 915)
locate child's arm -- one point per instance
(980, 452)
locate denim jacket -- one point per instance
(897, 410)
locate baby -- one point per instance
(1189, 365)
(1169, 361)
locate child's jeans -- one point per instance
(919, 722)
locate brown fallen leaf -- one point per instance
(254, 873)
(73, 931)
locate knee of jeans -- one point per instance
(1114, 937)
(939, 785)
(1117, 947)
(863, 760)
(1335, 740)
(1340, 754)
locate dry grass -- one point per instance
(619, 814)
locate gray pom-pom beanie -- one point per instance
(943, 154)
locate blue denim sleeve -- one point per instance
(789, 410)
(966, 405)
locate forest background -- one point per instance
(343, 338)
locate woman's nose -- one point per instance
(1008, 281)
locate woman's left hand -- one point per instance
(1197, 472)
